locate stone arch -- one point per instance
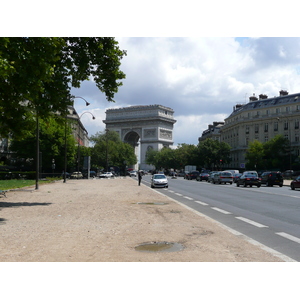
(144, 127)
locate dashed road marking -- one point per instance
(178, 194)
(288, 236)
(202, 203)
(221, 211)
(251, 222)
(189, 198)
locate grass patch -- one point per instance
(20, 183)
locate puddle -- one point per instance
(159, 247)
(152, 203)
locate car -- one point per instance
(211, 175)
(192, 175)
(271, 178)
(202, 176)
(222, 177)
(295, 184)
(159, 180)
(248, 179)
(132, 173)
(106, 175)
(76, 175)
(181, 174)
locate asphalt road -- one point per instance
(268, 215)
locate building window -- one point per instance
(247, 129)
(256, 128)
(286, 125)
(247, 141)
(266, 127)
(298, 107)
(287, 109)
(286, 136)
(297, 138)
(296, 124)
(276, 126)
(266, 138)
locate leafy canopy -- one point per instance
(37, 74)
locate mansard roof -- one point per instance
(266, 103)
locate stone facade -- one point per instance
(144, 127)
(262, 119)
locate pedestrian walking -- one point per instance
(139, 177)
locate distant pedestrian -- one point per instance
(139, 177)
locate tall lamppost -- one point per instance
(65, 166)
(106, 136)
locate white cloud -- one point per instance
(200, 78)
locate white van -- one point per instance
(232, 171)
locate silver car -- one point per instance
(223, 177)
(159, 180)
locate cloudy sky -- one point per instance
(201, 79)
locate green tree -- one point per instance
(255, 156)
(37, 74)
(277, 153)
(212, 153)
(52, 145)
(185, 154)
(109, 149)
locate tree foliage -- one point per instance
(108, 148)
(212, 153)
(37, 73)
(52, 145)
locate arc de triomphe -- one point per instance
(146, 126)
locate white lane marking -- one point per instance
(189, 198)
(251, 222)
(288, 236)
(171, 191)
(221, 211)
(178, 194)
(202, 203)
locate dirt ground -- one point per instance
(104, 220)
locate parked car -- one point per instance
(76, 175)
(211, 175)
(67, 175)
(180, 174)
(295, 184)
(192, 175)
(132, 173)
(202, 176)
(159, 180)
(272, 178)
(248, 179)
(92, 174)
(222, 177)
(106, 175)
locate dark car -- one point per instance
(248, 179)
(192, 175)
(202, 176)
(295, 184)
(236, 176)
(272, 178)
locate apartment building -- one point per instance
(261, 119)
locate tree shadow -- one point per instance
(16, 204)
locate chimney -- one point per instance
(253, 98)
(263, 96)
(283, 93)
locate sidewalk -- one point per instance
(104, 220)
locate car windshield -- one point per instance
(159, 176)
(250, 175)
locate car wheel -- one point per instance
(237, 184)
(250, 185)
(280, 185)
(292, 186)
(230, 182)
(258, 185)
(245, 184)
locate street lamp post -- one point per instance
(65, 164)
